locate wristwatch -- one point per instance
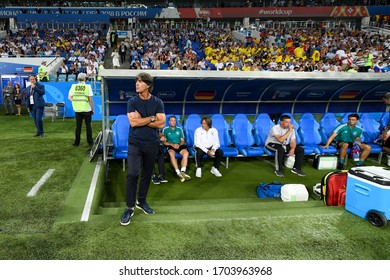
(152, 119)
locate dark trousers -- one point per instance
(80, 116)
(280, 152)
(37, 115)
(123, 57)
(160, 161)
(140, 161)
(8, 105)
(199, 156)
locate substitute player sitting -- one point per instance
(175, 143)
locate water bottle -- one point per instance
(356, 152)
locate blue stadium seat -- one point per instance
(309, 130)
(262, 126)
(225, 141)
(242, 137)
(370, 132)
(384, 120)
(120, 136)
(192, 122)
(328, 124)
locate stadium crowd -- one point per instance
(314, 49)
(208, 47)
(191, 4)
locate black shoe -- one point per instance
(6, 113)
(126, 217)
(41, 135)
(340, 166)
(299, 172)
(144, 207)
(76, 145)
(279, 173)
(155, 180)
(36, 135)
(162, 179)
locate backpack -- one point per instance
(333, 186)
(265, 190)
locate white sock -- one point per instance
(177, 171)
(183, 169)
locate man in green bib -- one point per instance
(81, 96)
(174, 141)
(345, 136)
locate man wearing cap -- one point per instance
(146, 115)
(81, 96)
(42, 72)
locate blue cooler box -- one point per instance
(368, 193)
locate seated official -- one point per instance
(345, 136)
(281, 139)
(386, 140)
(206, 141)
(160, 158)
(175, 143)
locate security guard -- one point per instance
(81, 96)
(42, 72)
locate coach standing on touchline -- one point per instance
(146, 115)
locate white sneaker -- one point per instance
(216, 172)
(198, 172)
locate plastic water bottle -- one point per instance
(356, 152)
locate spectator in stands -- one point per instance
(206, 142)
(80, 95)
(18, 98)
(115, 59)
(63, 70)
(101, 67)
(122, 52)
(8, 98)
(281, 139)
(91, 72)
(36, 103)
(146, 115)
(175, 143)
(345, 136)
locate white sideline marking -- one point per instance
(91, 192)
(39, 184)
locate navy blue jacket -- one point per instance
(38, 92)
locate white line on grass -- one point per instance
(92, 187)
(41, 181)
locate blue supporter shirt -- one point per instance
(141, 135)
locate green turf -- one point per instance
(207, 218)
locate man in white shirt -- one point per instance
(206, 141)
(281, 139)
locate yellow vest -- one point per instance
(101, 67)
(41, 72)
(80, 98)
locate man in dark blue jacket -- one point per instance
(36, 103)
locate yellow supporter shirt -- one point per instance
(299, 52)
(316, 56)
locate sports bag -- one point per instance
(265, 190)
(331, 183)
